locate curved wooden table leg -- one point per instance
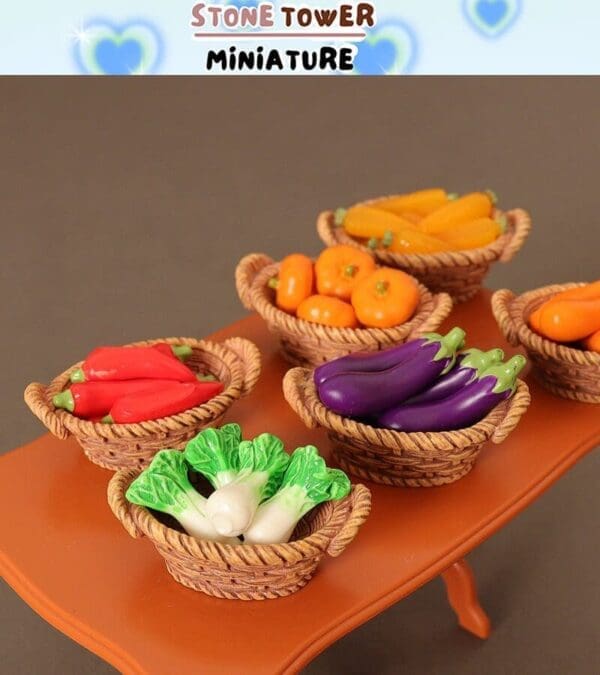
(462, 596)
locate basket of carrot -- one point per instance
(413, 415)
(124, 403)
(446, 241)
(240, 519)
(340, 303)
(559, 327)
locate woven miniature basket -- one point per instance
(565, 371)
(245, 572)
(419, 459)
(458, 273)
(306, 343)
(235, 362)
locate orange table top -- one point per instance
(67, 556)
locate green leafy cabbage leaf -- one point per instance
(214, 453)
(264, 454)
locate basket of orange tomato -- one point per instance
(340, 303)
(447, 242)
(559, 327)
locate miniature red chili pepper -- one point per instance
(131, 363)
(181, 352)
(95, 399)
(173, 398)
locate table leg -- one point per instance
(462, 596)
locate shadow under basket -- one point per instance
(419, 459)
(458, 273)
(252, 572)
(565, 371)
(235, 362)
(309, 344)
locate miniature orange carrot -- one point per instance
(473, 234)
(327, 311)
(461, 210)
(569, 320)
(422, 202)
(587, 292)
(534, 320)
(414, 241)
(294, 282)
(593, 342)
(412, 217)
(386, 298)
(340, 268)
(367, 222)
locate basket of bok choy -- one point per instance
(240, 519)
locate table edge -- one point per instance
(116, 656)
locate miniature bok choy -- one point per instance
(260, 466)
(164, 486)
(306, 483)
(214, 454)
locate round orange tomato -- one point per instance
(340, 268)
(385, 298)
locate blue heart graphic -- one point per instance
(492, 18)
(375, 59)
(491, 12)
(118, 58)
(105, 48)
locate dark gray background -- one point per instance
(126, 203)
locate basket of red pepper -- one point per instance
(123, 404)
(414, 415)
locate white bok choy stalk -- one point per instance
(306, 483)
(261, 465)
(214, 454)
(164, 486)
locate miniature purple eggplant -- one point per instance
(367, 362)
(469, 365)
(362, 394)
(462, 409)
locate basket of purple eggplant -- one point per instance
(416, 414)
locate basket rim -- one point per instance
(251, 555)
(444, 259)
(425, 443)
(428, 304)
(204, 413)
(538, 343)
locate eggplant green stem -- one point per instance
(506, 373)
(480, 360)
(449, 344)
